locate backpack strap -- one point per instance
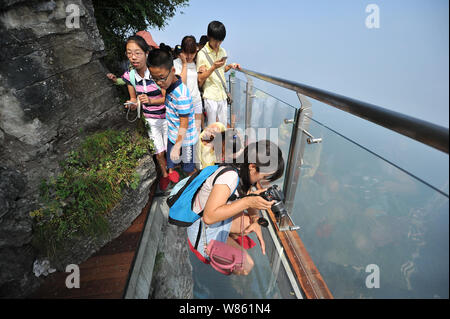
(133, 78)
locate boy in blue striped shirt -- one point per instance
(182, 134)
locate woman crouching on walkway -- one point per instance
(223, 217)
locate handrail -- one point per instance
(425, 132)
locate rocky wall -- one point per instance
(53, 92)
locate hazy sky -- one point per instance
(403, 65)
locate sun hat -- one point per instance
(148, 38)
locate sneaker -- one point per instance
(163, 183)
(174, 177)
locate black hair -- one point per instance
(176, 51)
(189, 44)
(139, 41)
(203, 40)
(160, 58)
(216, 30)
(262, 154)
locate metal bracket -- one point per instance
(311, 139)
(282, 224)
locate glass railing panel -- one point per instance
(238, 88)
(372, 229)
(267, 119)
(259, 284)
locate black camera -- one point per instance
(278, 208)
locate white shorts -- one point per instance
(216, 111)
(198, 106)
(158, 133)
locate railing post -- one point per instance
(296, 149)
(248, 106)
(231, 82)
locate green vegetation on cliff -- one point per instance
(90, 184)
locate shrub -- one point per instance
(90, 184)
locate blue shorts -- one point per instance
(186, 157)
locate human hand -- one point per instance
(218, 64)
(131, 104)
(175, 153)
(183, 57)
(257, 201)
(235, 66)
(112, 77)
(256, 228)
(144, 99)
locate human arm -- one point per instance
(232, 66)
(217, 209)
(153, 101)
(133, 98)
(184, 123)
(183, 72)
(202, 67)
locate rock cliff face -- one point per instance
(53, 92)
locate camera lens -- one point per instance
(278, 209)
(263, 222)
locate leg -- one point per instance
(159, 136)
(211, 111)
(248, 261)
(161, 158)
(198, 111)
(187, 156)
(222, 112)
(198, 122)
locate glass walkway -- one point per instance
(359, 226)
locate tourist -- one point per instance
(211, 73)
(151, 99)
(186, 68)
(126, 64)
(202, 42)
(182, 134)
(260, 161)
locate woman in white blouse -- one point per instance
(186, 68)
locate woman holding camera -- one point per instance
(223, 219)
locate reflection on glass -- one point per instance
(267, 118)
(357, 210)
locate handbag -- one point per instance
(223, 257)
(229, 98)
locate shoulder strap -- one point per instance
(215, 71)
(133, 78)
(133, 83)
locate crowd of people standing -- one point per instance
(175, 89)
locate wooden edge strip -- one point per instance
(304, 268)
(145, 210)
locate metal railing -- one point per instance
(419, 130)
(425, 132)
(422, 131)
